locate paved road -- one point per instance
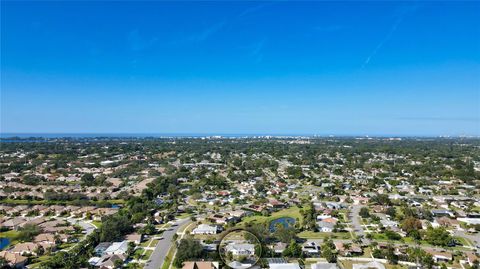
(356, 224)
(474, 238)
(88, 227)
(158, 256)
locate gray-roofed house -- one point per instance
(324, 265)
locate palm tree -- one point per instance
(347, 246)
(359, 239)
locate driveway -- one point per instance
(158, 256)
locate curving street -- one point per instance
(161, 249)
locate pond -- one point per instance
(4, 242)
(285, 222)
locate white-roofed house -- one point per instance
(117, 248)
(284, 266)
(205, 229)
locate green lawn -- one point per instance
(348, 264)
(147, 255)
(37, 262)
(187, 227)
(65, 245)
(476, 208)
(163, 226)
(380, 237)
(309, 261)
(134, 265)
(12, 235)
(208, 236)
(168, 258)
(367, 253)
(463, 241)
(138, 253)
(192, 202)
(292, 212)
(97, 223)
(184, 215)
(116, 201)
(146, 243)
(154, 243)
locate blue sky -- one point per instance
(344, 68)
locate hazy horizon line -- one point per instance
(211, 134)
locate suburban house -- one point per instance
(110, 262)
(389, 223)
(447, 222)
(27, 248)
(134, 237)
(240, 249)
(222, 219)
(200, 265)
(275, 204)
(353, 249)
(278, 247)
(100, 248)
(14, 223)
(107, 261)
(284, 266)
(205, 229)
(370, 265)
(442, 213)
(441, 256)
(326, 227)
(117, 248)
(311, 248)
(471, 257)
(324, 265)
(15, 260)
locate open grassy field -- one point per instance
(292, 212)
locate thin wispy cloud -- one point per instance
(400, 17)
(389, 35)
(138, 43)
(255, 50)
(253, 9)
(205, 33)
